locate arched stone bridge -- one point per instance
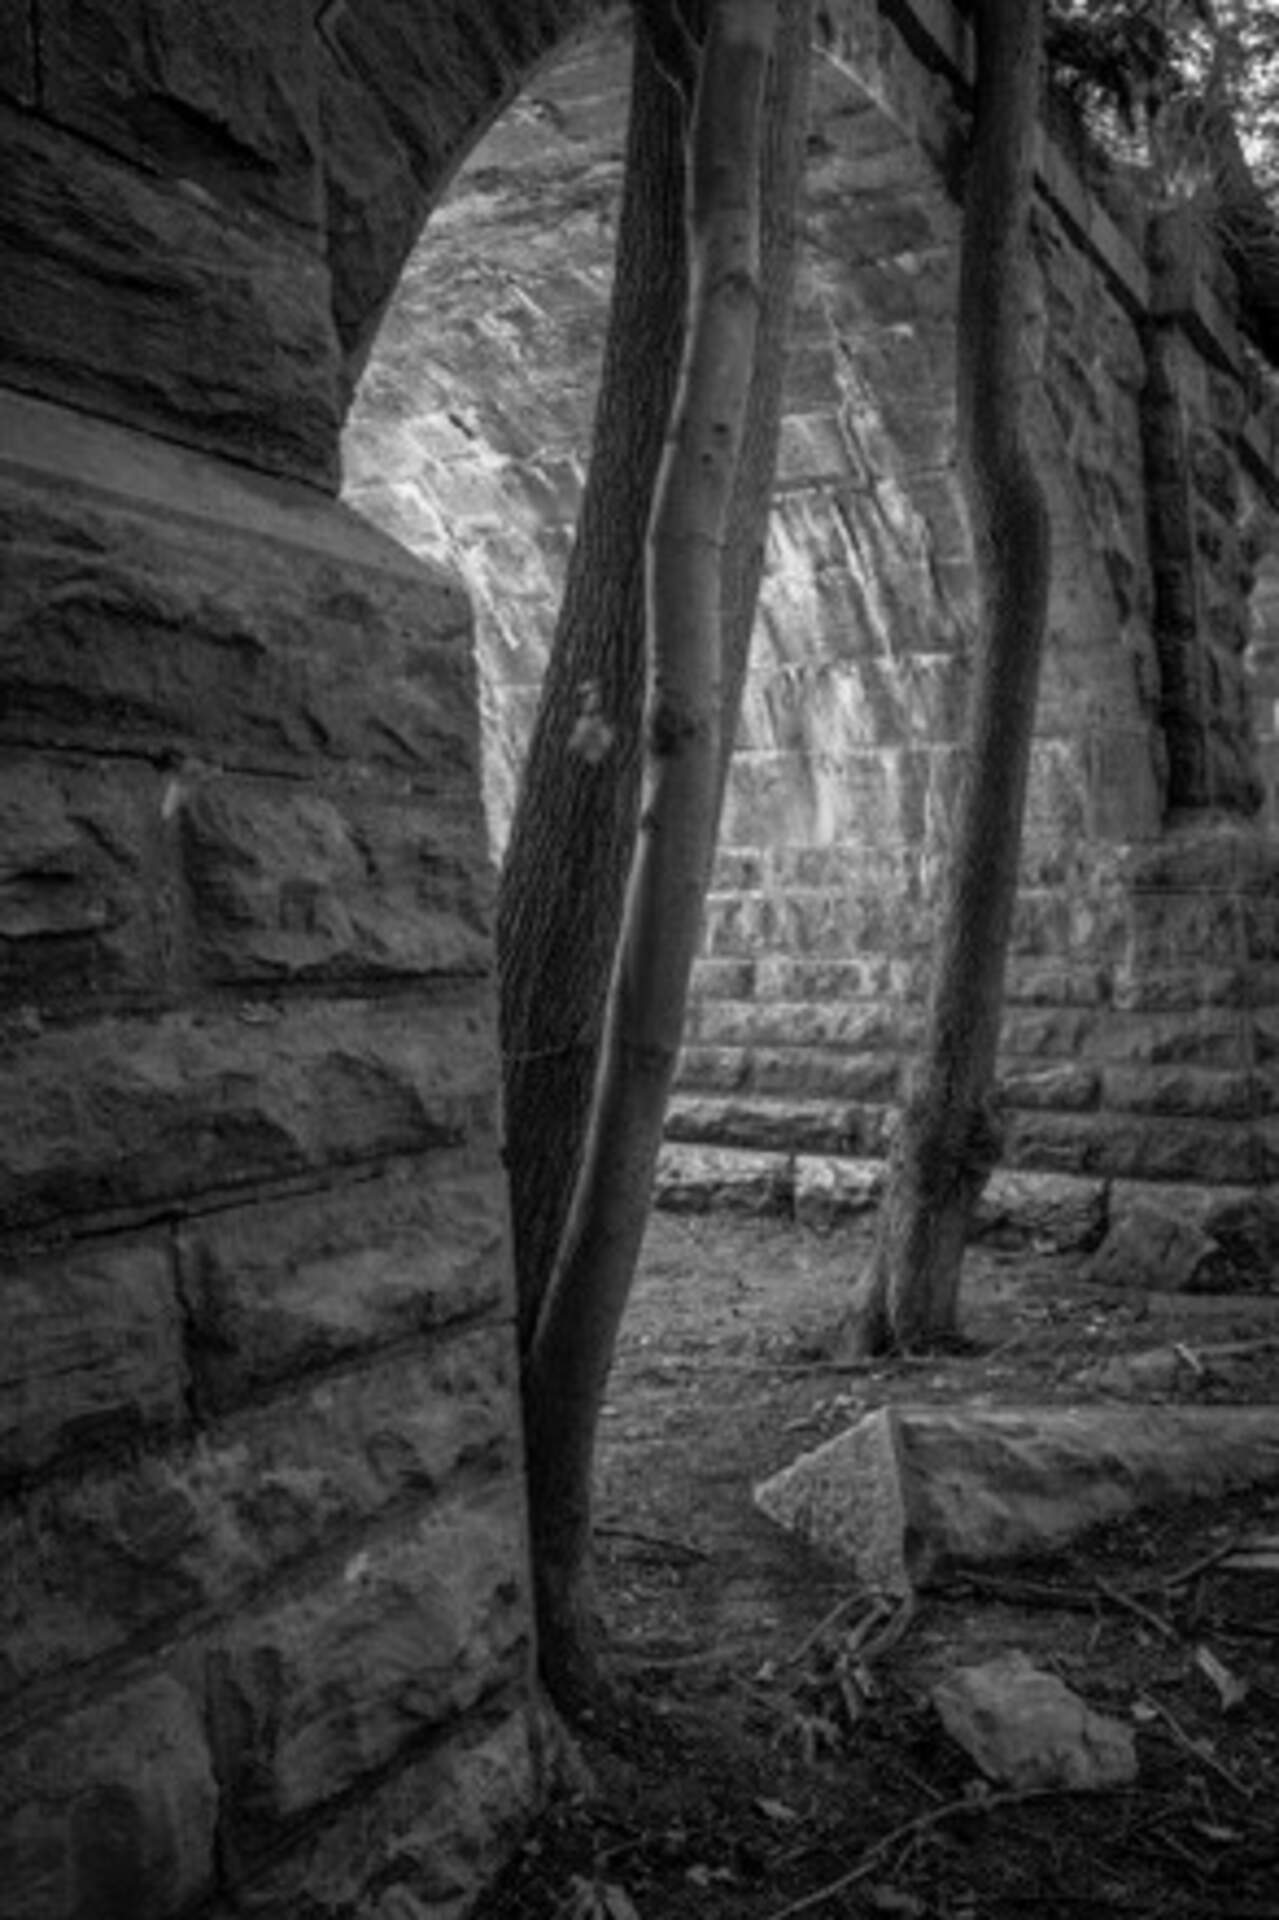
(264, 1596)
(1129, 1053)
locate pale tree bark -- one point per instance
(573, 1343)
(947, 1139)
(784, 157)
(564, 872)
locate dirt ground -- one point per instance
(774, 1750)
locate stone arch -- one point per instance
(265, 1588)
(859, 654)
(837, 811)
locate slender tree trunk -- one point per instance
(564, 873)
(573, 1343)
(947, 1140)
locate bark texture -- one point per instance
(785, 136)
(564, 872)
(947, 1139)
(573, 1343)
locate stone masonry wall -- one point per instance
(467, 440)
(263, 1585)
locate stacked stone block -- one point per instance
(267, 1637)
(808, 999)
(264, 1588)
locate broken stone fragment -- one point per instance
(912, 1490)
(1026, 1729)
(1152, 1248)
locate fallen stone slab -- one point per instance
(910, 1491)
(1025, 1728)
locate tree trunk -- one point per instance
(947, 1139)
(563, 877)
(785, 146)
(573, 1343)
(564, 873)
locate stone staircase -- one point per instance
(1140, 1049)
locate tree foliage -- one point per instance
(1150, 74)
(1185, 93)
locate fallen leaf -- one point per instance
(894, 1900)
(1231, 1689)
(598, 1900)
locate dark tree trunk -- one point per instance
(576, 1331)
(948, 1139)
(564, 874)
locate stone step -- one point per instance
(1146, 1235)
(1153, 1143)
(771, 1124)
(823, 1191)
(873, 1073)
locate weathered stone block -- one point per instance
(425, 1842)
(374, 205)
(1132, 1147)
(1173, 989)
(909, 1491)
(324, 1690)
(1045, 1209)
(779, 976)
(17, 52)
(717, 980)
(222, 96)
(92, 1346)
(828, 1190)
(781, 1126)
(169, 607)
(129, 1113)
(75, 913)
(1073, 1088)
(1035, 983)
(111, 1810)
(202, 328)
(274, 1291)
(1195, 1091)
(1240, 1223)
(714, 1069)
(1169, 928)
(1051, 1033)
(1205, 1037)
(320, 886)
(1157, 1244)
(722, 1180)
(813, 1073)
(89, 1566)
(854, 1024)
